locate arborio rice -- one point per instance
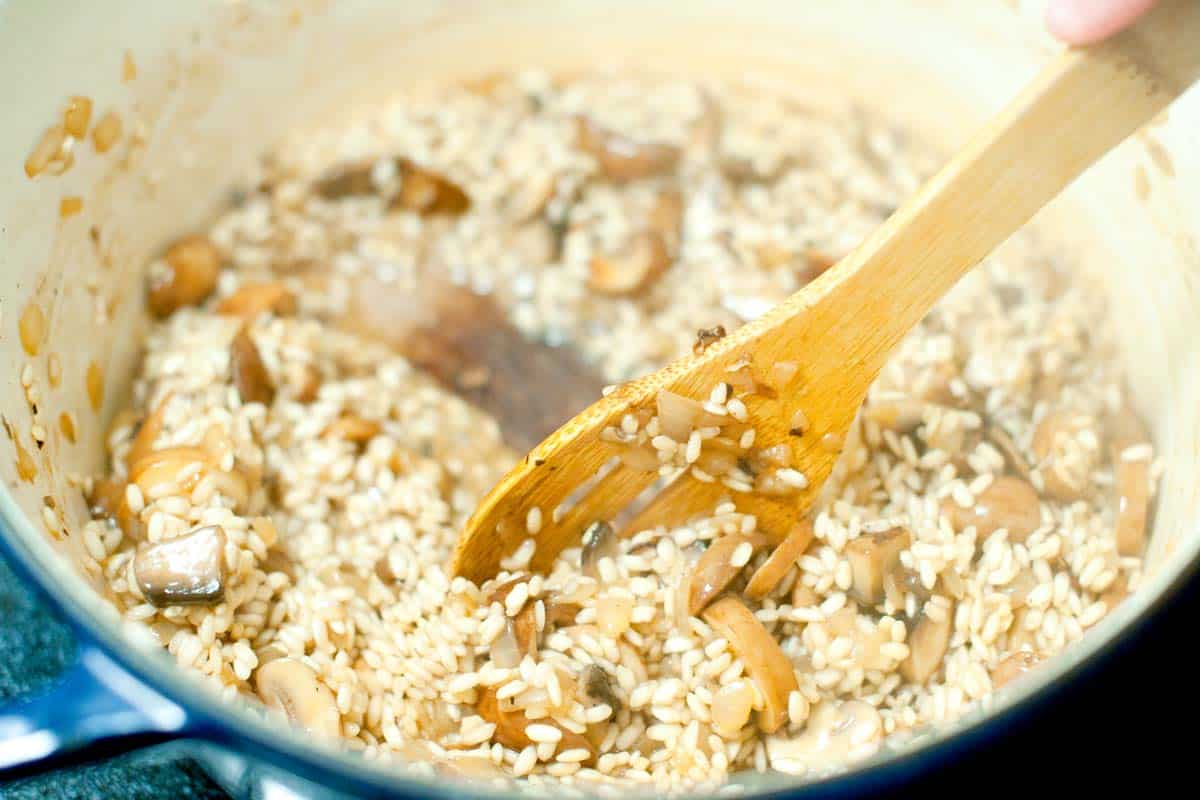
(283, 495)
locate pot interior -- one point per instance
(204, 88)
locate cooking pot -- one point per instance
(203, 88)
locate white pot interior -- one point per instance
(218, 83)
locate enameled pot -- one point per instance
(204, 87)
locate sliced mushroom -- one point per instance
(643, 262)
(1014, 666)
(901, 414)
(250, 375)
(427, 192)
(837, 732)
(1117, 591)
(765, 661)
(666, 219)
(293, 687)
(1131, 479)
(873, 557)
(1064, 464)
(346, 180)
(1125, 429)
(559, 613)
(597, 687)
(352, 428)
(530, 199)
(143, 443)
(899, 582)
(1008, 502)
(928, 640)
(187, 570)
(803, 596)
(191, 266)
(715, 570)
(782, 558)
(599, 541)
(304, 381)
(1008, 448)
(258, 298)
(108, 500)
(510, 726)
(620, 158)
(520, 637)
(183, 468)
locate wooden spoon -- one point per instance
(834, 336)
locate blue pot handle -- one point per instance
(96, 709)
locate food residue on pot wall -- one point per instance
(26, 468)
(32, 328)
(94, 380)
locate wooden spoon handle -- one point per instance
(1078, 108)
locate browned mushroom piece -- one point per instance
(183, 468)
(597, 687)
(899, 582)
(250, 375)
(782, 558)
(715, 569)
(765, 661)
(107, 499)
(635, 269)
(147, 432)
(186, 570)
(901, 414)
(1063, 463)
(189, 275)
(510, 726)
(1125, 429)
(873, 558)
(620, 158)
(294, 688)
(928, 640)
(1131, 480)
(352, 428)
(1131, 458)
(258, 298)
(1014, 666)
(599, 541)
(520, 637)
(1003, 442)
(837, 732)
(530, 199)
(1117, 591)
(351, 179)
(804, 596)
(306, 383)
(666, 219)
(428, 193)
(1008, 502)
(559, 613)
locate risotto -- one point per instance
(285, 490)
